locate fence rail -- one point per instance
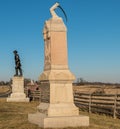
(108, 104)
(99, 103)
(37, 95)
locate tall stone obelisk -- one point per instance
(59, 109)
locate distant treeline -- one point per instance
(95, 83)
(4, 83)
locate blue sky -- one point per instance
(93, 37)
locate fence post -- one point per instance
(90, 100)
(115, 104)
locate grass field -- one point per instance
(93, 88)
(15, 116)
(3, 89)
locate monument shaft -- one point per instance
(55, 45)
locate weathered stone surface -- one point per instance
(18, 94)
(45, 121)
(60, 110)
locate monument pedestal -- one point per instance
(18, 94)
(59, 111)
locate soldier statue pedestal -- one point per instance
(17, 94)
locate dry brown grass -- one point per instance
(3, 89)
(92, 88)
(15, 116)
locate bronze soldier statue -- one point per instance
(17, 64)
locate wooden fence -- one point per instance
(108, 104)
(99, 103)
(37, 95)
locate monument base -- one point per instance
(18, 94)
(52, 116)
(42, 120)
(17, 99)
(60, 109)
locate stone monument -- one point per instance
(58, 110)
(18, 94)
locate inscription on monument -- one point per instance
(47, 54)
